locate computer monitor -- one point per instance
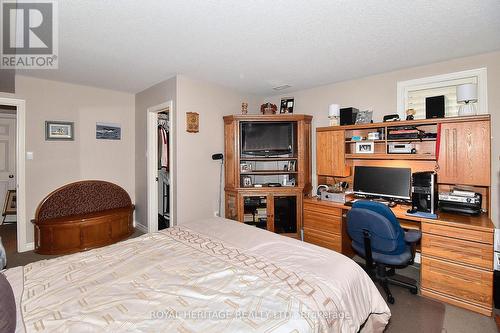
(393, 183)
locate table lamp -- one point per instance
(467, 95)
(334, 114)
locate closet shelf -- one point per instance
(267, 172)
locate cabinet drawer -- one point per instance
(323, 239)
(322, 222)
(459, 251)
(322, 209)
(469, 284)
(460, 233)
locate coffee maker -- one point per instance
(424, 192)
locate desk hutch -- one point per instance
(456, 250)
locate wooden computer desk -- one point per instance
(456, 250)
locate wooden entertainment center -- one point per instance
(264, 206)
(456, 250)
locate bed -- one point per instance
(212, 275)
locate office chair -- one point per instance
(378, 238)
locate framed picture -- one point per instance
(105, 131)
(245, 167)
(247, 181)
(192, 122)
(365, 147)
(59, 131)
(286, 105)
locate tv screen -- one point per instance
(267, 138)
(383, 182)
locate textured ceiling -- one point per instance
(255, 45)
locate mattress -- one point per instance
(212, 275)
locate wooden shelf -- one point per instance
(418, 122)
(395, 140)
(267, 172)
(376, 141)
(412, 140)
(268, 159)
(390, 157)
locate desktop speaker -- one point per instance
(434, 107)
(348, 116)
(424, 192)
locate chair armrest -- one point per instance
(412, 236)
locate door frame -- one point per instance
(22, 223)
(152, 164)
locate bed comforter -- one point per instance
(212, 275)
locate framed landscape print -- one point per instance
(59, 131)
(106, 131)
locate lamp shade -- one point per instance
(333, 110)
(467, 92)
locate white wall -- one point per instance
(158, 94)
(197, 173)
(379, 93)
(58, 163)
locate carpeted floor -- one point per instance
(410, 313)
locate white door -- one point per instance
(7, 157)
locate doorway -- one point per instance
(160, 166)
(12, 176)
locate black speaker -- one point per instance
(348, 116)
(424, 192)
(434, 107)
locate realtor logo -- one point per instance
(29, 34)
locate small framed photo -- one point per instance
(106, 131)
(365, 147)
(247, 181)
(245, 167)
(287, 105)
(59, 131)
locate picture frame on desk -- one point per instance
(365, 147)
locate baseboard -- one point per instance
(141, 227)
(29, 247)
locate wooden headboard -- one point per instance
(83, 197)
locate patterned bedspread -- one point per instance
(184, 280)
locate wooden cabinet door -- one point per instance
(464, 156)
(330, 154)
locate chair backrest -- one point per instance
(385, 233)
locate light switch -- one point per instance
(29, 155)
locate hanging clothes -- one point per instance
(164, 154)
(162, 148)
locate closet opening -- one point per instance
(163, 177)
(160, 167)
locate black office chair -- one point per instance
(378, 238)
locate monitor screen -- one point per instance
(383, 182)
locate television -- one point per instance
(263, 138)
(392, 183)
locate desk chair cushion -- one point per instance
(386, 235)
(401, 259)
